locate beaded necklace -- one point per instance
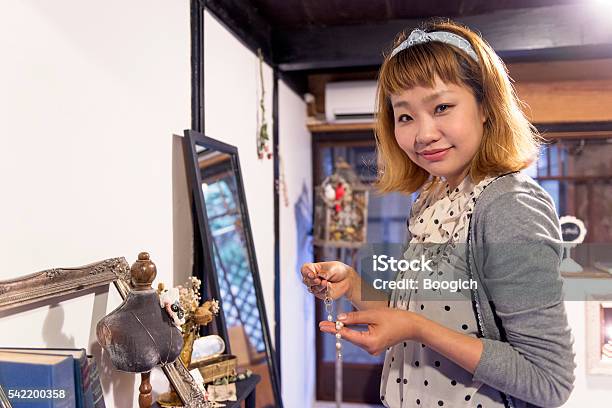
(329, 308)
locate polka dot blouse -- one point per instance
(413, 374)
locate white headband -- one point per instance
(418, 36)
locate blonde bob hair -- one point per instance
(509, 142)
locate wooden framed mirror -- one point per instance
(226, 260)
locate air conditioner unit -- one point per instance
(350, 101)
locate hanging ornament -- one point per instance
(263, 138)
(282, 185)
(341, 209)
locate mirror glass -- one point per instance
(232, 258)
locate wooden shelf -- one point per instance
(587, 273)
(595, 134)
(325, 127)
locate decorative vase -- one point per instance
(187, 351)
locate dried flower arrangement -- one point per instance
(183, 305)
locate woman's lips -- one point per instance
(435, 155)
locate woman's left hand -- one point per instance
(386, 327)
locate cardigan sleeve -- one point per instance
(521, 254)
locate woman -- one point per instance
(450, 126)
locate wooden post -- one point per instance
(145, 399)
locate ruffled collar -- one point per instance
(441, 215)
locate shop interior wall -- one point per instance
(87, 120)
(91, 98)
(232, 90)
(297, 305)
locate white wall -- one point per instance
(231, 89)
(232, 97)
(297, 305)
(90, 95)
(589, 390)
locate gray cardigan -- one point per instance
(515, 254)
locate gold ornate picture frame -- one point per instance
(52, 283)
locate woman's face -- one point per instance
(439, 128)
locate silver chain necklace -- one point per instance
(329, 309)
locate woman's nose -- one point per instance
(427, 132)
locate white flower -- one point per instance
(215, 306)
(169, 300)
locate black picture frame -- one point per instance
(204, 264)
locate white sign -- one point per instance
(573, 233)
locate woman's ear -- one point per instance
(482, 114)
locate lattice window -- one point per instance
(236, 285)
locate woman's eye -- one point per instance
(404, 118)
(442, 108)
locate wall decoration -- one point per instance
(341, 209)
(263, 137)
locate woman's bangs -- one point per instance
(419, 65)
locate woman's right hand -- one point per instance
(339, 276)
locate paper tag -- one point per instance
(223, 392)
(199, 380)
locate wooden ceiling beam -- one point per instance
(574, 31)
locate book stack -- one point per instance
(50, 378)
